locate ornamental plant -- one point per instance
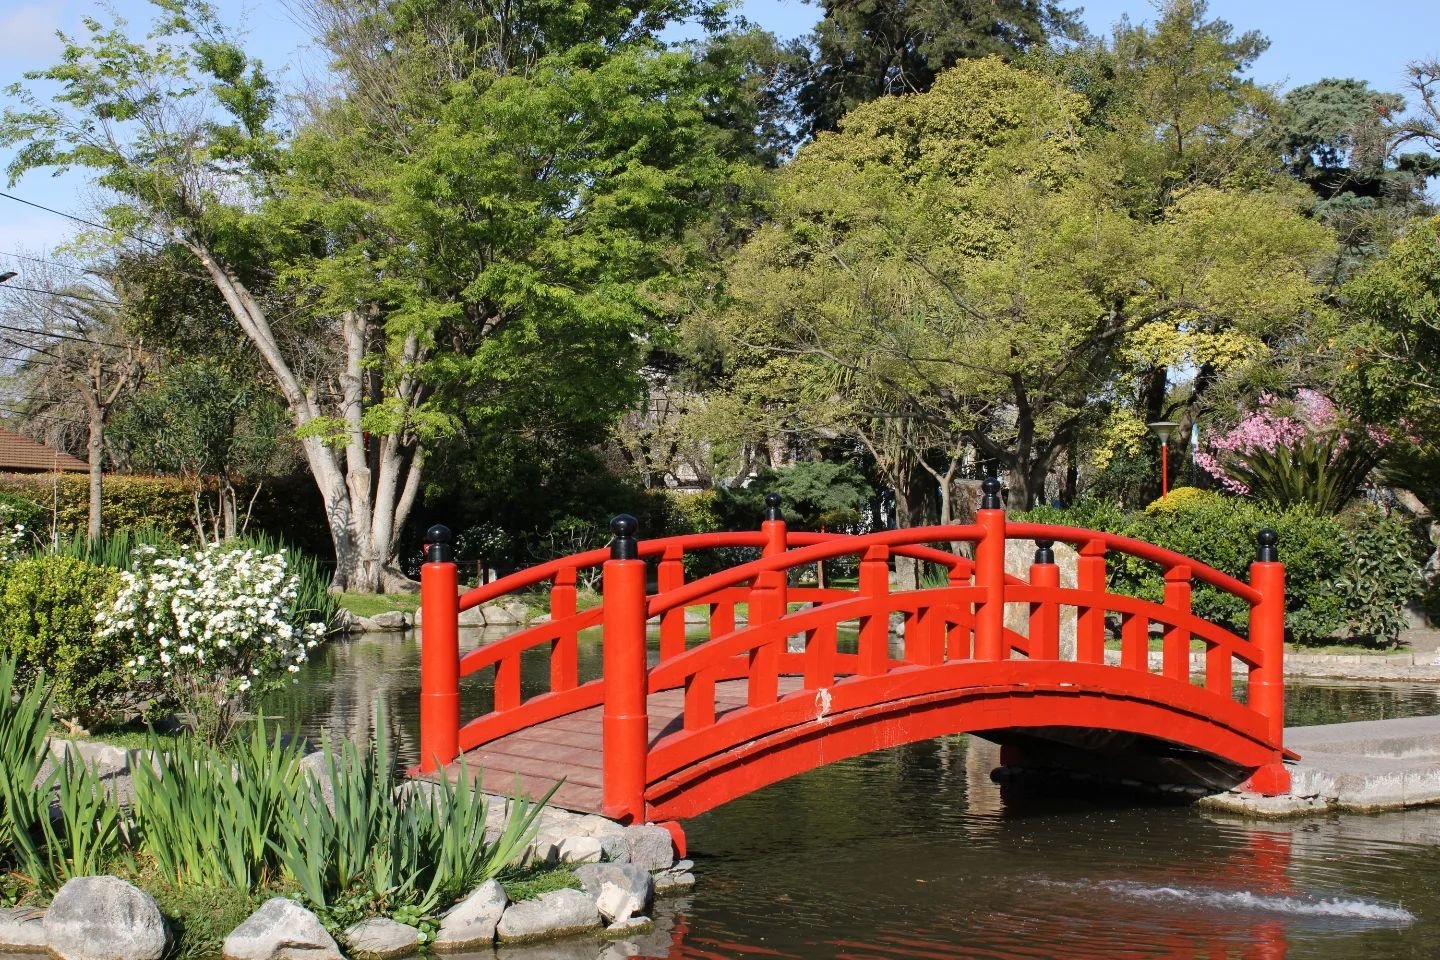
(212, 627)
(1294, 452)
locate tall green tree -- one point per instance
(963, 262)
(478, 215)
(865, 49)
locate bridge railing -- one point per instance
(961, 622)
(556, 638)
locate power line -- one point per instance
(71, 216)
(62, 336)
(53, 263)
(57, 293)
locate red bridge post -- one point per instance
(1267, 631)
(990, 573)
(439, 653)
(625, 726)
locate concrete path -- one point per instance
(1364, 766)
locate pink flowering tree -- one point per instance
(1294, 451)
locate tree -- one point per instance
(964, 260)
(199, 419)
(479, 215)
(865, 49)
(1334, 136)
(72, 334)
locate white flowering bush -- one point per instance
(15, 536)
(212, 627)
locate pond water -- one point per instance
(914, 853)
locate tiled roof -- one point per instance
(23, 454)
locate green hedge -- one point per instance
(47, 623)
(288, 509)
(1347, 576)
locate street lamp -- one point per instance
(1163, 429)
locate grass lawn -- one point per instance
(369, 604)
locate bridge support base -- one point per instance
(1271, 780)
(677, 837)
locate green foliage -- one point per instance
(44, 847)
(1322, 471)
(866, 51)
(48, 611)
(112, 550)
(200, 918)
(23, 510)
(210, 823)
(369, 853)
(529, 883)
(127, 501)
(314, 603)
(1347, 575)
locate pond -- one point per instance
(914, 853)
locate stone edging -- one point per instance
(621, 869)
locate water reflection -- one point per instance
(915, 853)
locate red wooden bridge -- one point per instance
(768, 695)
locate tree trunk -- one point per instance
(365, 507)
(96, 453)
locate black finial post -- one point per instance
(1043, 553)
(1265, 546)
(437, 545)
(624, 546)
(991, 487)
(772, 507)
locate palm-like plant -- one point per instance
(1322, 470)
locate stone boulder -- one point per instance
(555, 914)
(500, 616)
(380, 939)
(22, 929)
(633, 881)
(391, 620)
(281, 930)
(650, 847)
(104, 918)
(470, 924)
(580, 850)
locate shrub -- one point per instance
(210, 628)
(47, 623)
(1345, 575)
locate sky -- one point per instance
(1309, 40)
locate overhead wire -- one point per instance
(71, 216)
(60, 293)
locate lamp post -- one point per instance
(1163, 429)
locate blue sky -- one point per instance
(1310, 40)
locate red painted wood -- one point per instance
(439, 666)
(746, 707)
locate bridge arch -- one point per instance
(771, 691)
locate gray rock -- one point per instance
(632, 879)
(391, 620)
(617, 904)
(594, 825)
(281, 930)
(470, 924)
(22, 929)
(615, 848)
(555, 914)
(366, 625)
(474, 617)
(579, 850)
(518, 610)
(104, 918)
(380, 939)
(630, 925)
(498, 616)
(650, 847)
(1019, 554)
(673, 882)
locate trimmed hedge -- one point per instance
(1346, 576)
(288, 509)
(47, 624)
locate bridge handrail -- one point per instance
(1135, 548)
(657, 547)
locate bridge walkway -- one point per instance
(568, 748)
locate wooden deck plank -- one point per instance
(569, 747)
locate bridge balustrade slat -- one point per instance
(874, 583)
(669, 575)
(1090, 577)
(1045, 616)
(820, 655)
(1176, 642)
(507, 683)
(565, 648)
(1134, 641)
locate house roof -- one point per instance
(21, 454)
